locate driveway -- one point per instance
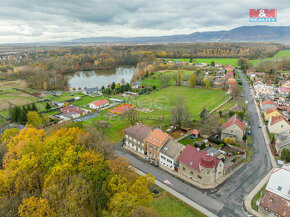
(87, 117)
(227, 199)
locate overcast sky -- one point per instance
(61, 20)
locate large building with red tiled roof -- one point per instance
(199, 166)
(278, 124)
(276, 201)
(154, 142)
(233, 128)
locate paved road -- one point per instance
(87, 117)
(227, 199)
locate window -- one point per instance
(183, 168)
(169, 161)
(279, 188)
(156, 149)
(191, 172)
(207, 172)
(162, 157)
(199, 177)
(138, 142)
(142, 144)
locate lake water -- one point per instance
(99, 78)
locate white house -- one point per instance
(170, 153)
(98, 104)
(277, 197)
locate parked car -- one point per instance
(147, 158)
(259, 125)
(155, 163)
(249, 133)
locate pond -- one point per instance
(99, 78)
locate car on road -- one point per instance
(147, 158)
(259, 125)
(155, 163)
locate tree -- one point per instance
(235, 91)
(131, 115)
(33, 107)
(22, 116)
(285, 155)
(192, 80)
(113, 86)
(209, 124)
(206, 81)
(243, 63)
(34, 119)
(142, 211)
(179, 113)
(203, 113)
(35, 207)
(47, 106)
(164, 80)
(212, 63)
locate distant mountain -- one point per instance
(240, 34)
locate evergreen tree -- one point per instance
(28, 108)
(113, 86)
(203, 113)
(212, 63)
(47, 106)
(22, 117)
(33, 107)
(15, 114)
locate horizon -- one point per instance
(53, 21)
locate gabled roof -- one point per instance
(232, 121)
(236, 108)
(283, 139)
(71, 108)
(284, 89)
(276, 119)
(195, 132)
(138, 131)
(171, 148)
(271, 110)
(268, 102)
(157, 138)
(100, 102)
(194, 157)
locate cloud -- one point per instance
(54, 20)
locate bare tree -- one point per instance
(179, 113)
(131, 115)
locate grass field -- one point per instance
(13, 97)
(257, 197)
(196, 98)
(233, 61)
(87, 99)
(63, 97)
(169, 206)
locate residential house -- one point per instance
(282, 141)
(233, 128)
(267, 104)
(135, 138)
(71, 112)
(236, 108)
(271, 112)
(98, 104)
(285, 84)
(199, 166)
(135, 85)
(195, 133)
(229, 75)
(276, 201)
(170, 153)
(231, 82)
(218, 65)
(155, 142)
(278, 124)
(89, 91)
(284, 91)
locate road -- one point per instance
(87, 116)
(226, 199)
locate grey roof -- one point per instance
(95, 89)
(212, 150)
(283, 139)
(138, 131)
(171, 148)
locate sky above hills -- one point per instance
(62, 20)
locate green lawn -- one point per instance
(169, 206)
(223, 61)
(63, 97)
(2, 120)
(257, 197)
(196, 98)
(279, 55)
(4, 113)
(87, 99)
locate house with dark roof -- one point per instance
(135, 138)
(170, 153)
(199, 166)
(233, 128)
(155, 142)
(89, 91)
(278, 124)
(276, 201)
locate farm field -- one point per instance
(14, 97)
(196, 99)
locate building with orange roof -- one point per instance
(155, 142)
(233, 128)
(267, 104)
(271, 112)
(278, 124)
